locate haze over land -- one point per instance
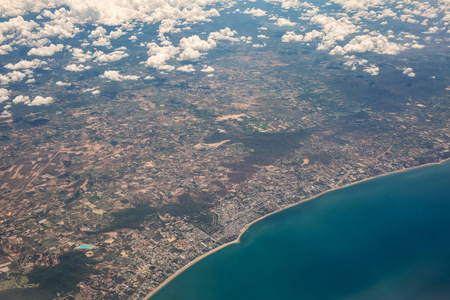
(155, 130)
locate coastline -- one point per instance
(246, 227)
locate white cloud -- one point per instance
(102, 42)
(5, 114)
(312, 35)
(97, 32)
(4, 95)
(288, 4)
(284, 22)
(207, 69)
(195, 42)
(262, 36)
(259, 45)
(80, 56)
(359, 4)
(192, 46)
(115, 76)
(417, 46)
(354, 63)
(26, 64)
(333, 30)
(189, 54)
(22, 99)
(409, 72)
(160, 55)
(101, 57)
(46, 50)
(432, 30)
(14, 76)
(116, 34)
(186, 68)
(115, 12)
(223, 34)
(60, 83)
(370, 43)
(246, 39)
(256, 12)
(5, 49)
(372, 69)
(290, 36)
(76, 68)
(39, 100)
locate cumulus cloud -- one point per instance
(186, 68)
(160, 55)
(256, 12)
(189, 54)
(372, 69)
(370, 43)
(207, 69)
(4, 95)
(39, 100)
(259, 45)
(189, 48)
(101, 57)
(354, 63)
(290, 36)
(116, 34)
(97, 32)
(312, 35)
(432, 30)
(333, 30)
(26, 64)
(93, 91)
(192, 46)
(359, 4)
(102, 42)
(409, 72)
(80, 56)
(288, 4)
(14, 76)
(195, 42)
(5, 114)
(46, 50)
(60, 83)
(5, 49)
(76, 68)
(284, 22)
(223, 34)
(116, 76)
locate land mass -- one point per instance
(156, 177)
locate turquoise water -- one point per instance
(90, 247)
(387, 238)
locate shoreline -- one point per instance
(246, 227)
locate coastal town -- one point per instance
(142, 185)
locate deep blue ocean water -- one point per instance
(387, 238)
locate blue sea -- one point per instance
(386, 238)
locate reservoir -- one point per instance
(386, 238)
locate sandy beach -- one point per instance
(277, 211)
